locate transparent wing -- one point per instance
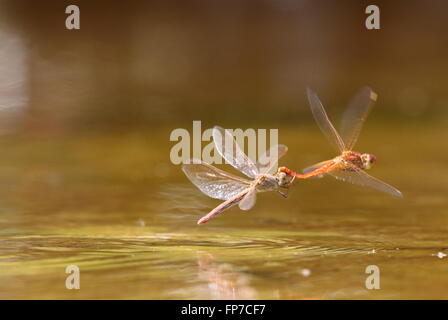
(318, 169)
(213, 182)
(229, 149)
(269, 160)
(358, 176)
(316, 166)
(249, 199)
(324, 122)
(355, 115)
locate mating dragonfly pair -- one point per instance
(349, 166)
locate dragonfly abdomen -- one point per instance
(224, 206)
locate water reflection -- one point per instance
(224, 280)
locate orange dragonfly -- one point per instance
(234, 190)
(349, 166)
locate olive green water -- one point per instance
(114, 206)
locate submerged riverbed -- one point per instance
(114, 205)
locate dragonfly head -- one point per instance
(284, 179)
(368, 160)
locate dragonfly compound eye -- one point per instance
(368, 160)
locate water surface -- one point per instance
(114, 205)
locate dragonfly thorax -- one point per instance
(353, 158)
(363, 161)
(266, 182)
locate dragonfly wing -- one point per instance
(249, 199)
(355, 116)
(316, 166)
(358, 176)
(213, 182)
(324, 122)
(229, 149)
(317, 170)
(269, 160)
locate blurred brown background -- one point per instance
(141, 63)
(86, 176)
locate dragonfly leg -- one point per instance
(293, 178)
(283, 193)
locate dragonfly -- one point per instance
(349, 166)
(222, 185)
